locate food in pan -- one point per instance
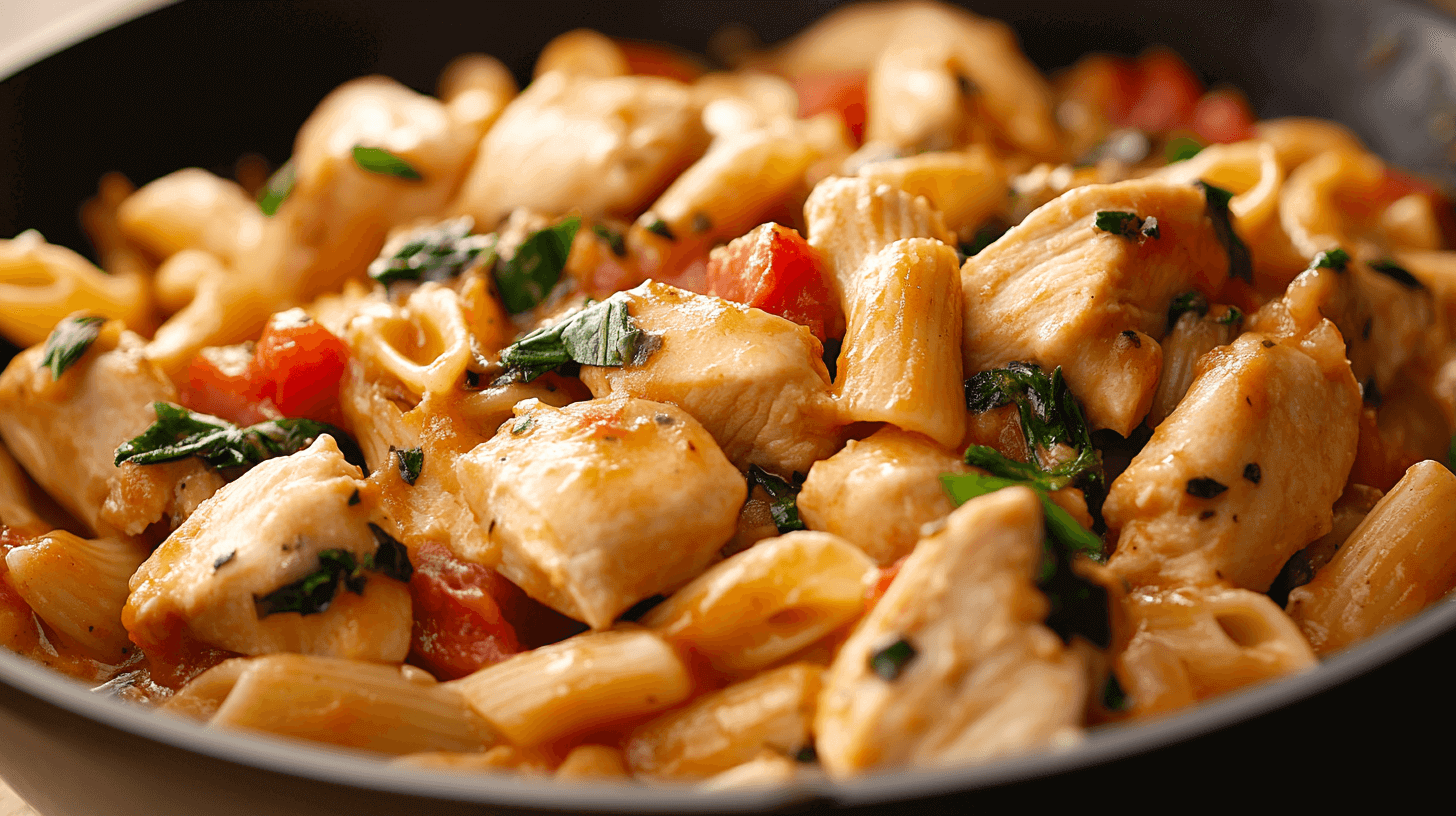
(877, 403)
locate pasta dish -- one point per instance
(874, 402)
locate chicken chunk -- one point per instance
(65, 432)
(602, 503)
(598, 146)
(1245, 470)
(260, 534)
(1058, 291)
(953, 665)
(754, 380)
(877, 492)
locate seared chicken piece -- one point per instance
(754, 380)
(953, 665)
(602, 503)
(877, 492)
(192, 209)
(257, 535)
(1057, 291)
(142, 495)
(597, 146)
(65, 432)
(1245, 471)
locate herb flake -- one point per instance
(1202, 487)
(411, 461)
(527, 277)
(382, 162)
(1126, 224)
(1397, 273)
(890, 662)
(277, 188)
(1049, 415)
(1190, 301)
(1336, 259)
(179, 433)
(68, 341)
(1232, 317)
(602, 334)
(614, 240)
(435, 253)
(1241, 263)
(783, 496)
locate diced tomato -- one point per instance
(1167, 94)
(842, 92)
(875, 591)
(292, 371)
(468, 616)
(300, 363)
(1223, 116)
(656, 59)
(774, 269)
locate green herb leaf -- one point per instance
(1078, 606)
(1049, 415)
(891, 661)
(68, 342)
(984, 237)
(1451, 455)
(381, 161)
(315, 592)
(527, 277)
(1241, 264)
(1191, 301)
(1397, 273)
(1231, 317)
(1182, 148)
(391, 559)
(1125, 224)
(179, 433)
(1336, 259)
(522, 426)
(1113, 697)
(278, 187)
(614, 240)
(657, 226)
(411, 462)
(436, 253)
(602, 334)
(783, 497)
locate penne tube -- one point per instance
(901, 362)
(967, 187)
(593, 762)
(78, 586)
(1189, 339)
(768, 602)
(41, 283)
(765, 770)
(718, 731)
(579, 684)
(1400, 559)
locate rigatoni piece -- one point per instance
(755, 381)
(1188, 340)
(768, 602)
(266, 531)
(1400, 559)
(1191, 643)
(78, 586)
(581, 683)
(768, 769)
(717, 731)
(603, 503)
(900, 363)
(65, 432)
(593, 762)
(878, 491)
(1056, 290)
(350, 703)
(1244, 472)
(40, 283)
(967, 187)
(953, 665)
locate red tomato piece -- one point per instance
(1223, 116)
(223, 382)
(842, 92)
(458, 626)
(774, 269)
(1167, 94)
(299, 364)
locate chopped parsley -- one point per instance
(614, 240)
(277, 188)
(1078, 606)
(411, 462)
(522, 426)
(1336, 259)
(527, 277)
(179, 433)
(602, 334)
(782, 497)
(1049, 416)
(1190, 301)
(1397, 273)
(435, 253)
(68, 342)
(1241, 264)
(891, 661)
(316, 591)
(657, 226)
(382, 162)
(1126, 224)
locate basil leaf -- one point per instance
(411, 462)
(1397, 273)
(1125, 224)
(315, 592)
(1191, 301)
(278, 187)
(1336, 259)
(1078, 606)
(783, 504)
(435, 253)
(1231, 317)
(381, 161)
(1241, 264)
(526, 278)
(391, 559)
(891, 661)
(602, 334)
(1049, 415)
(614, 240)
(1182, 148)
(68, 342)
(179, 433)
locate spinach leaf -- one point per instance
(381, 161)
(526, 278)
(278, 187)
(1241, 264)
(602, 334)
(436, 253)
(1182, 148)
(68, 342)
(1049, 415)
(179, 433)
(315, 592)
(411, 462)
(783, 497)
